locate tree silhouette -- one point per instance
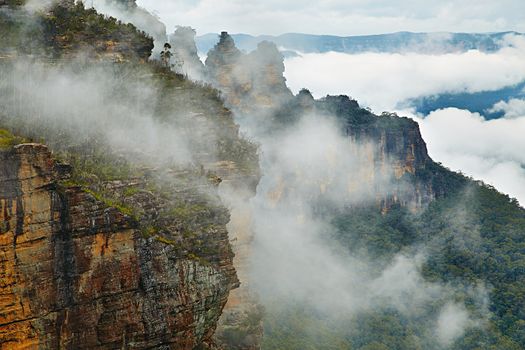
(165, 55)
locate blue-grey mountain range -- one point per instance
(394, 42)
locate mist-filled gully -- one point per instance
(311, 166)
(344, 230)
(294, 262)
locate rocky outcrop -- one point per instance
(254, 85)
(248, 80)
(397, 151)
(70, 28)
(185, 54)
(77, 273)
(224, 71)
(389, 150)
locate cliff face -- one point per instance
(77, 273)
(96, 257)
(254, 84)
(399, 152)
(222, 64)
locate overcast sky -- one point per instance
(340, 17)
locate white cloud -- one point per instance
(341, 17)
(382, 80)
(292, 262)
(512, 108)
(489, 150)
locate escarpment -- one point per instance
(393, 163)
(127, 247)
(78, 273)
(411, 204)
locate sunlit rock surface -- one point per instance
(78, 274)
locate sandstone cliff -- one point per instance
(77, 273)
(123, 249)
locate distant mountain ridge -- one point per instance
(478, 102)
(395, 42)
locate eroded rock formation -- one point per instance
(248, 80)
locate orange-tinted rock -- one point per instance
(77, 274)
(248, 81)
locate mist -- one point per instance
(296, 260)
(141, 18)
(489, 150)
(384, 81)
(310, 168)
(98, 102)
(306, 166)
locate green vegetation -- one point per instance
(165, 240)
(242, 333)
(472, 235)
(174, 210)
(69, 27)
(123, 208)
(149, 231)
(293, 327)
(8, 140)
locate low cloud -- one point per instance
(382, 80)
(489, 150)
(116, 107)
(492, 151)
(451, 323)
(37, 5)
(293, 260)
(141, 18)
(514, 108)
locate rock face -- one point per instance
(69, 28)
(398, 151)
(222, 64)
(248, 80)
(77, 274)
